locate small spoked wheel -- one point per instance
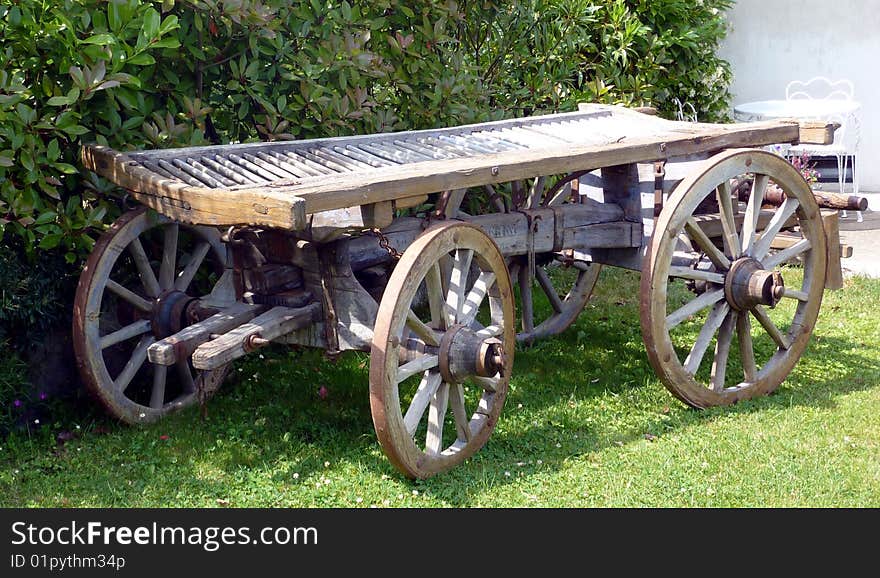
(147, 278)
(566, 286)
(442, 350)
(719, 279)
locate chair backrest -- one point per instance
(820, 87)
(686, 111)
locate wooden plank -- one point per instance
(603, 235)
(181, 345)
(197, 204)
(817, 132)
(270, 325)
(833, 271)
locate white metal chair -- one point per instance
(846, 138)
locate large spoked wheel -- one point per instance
(567, 287)
(440, 365)
(697, 290)
(146, 278)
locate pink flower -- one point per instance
(163, 437)
(323, 392)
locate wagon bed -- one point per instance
(279, 183)
(301, 242)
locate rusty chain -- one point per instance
(386, 244)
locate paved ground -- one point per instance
(864, 238)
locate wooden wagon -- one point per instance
(426, 248)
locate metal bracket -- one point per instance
(659, 175)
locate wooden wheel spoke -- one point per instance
(694, 306)
(436, 415)
(129, 296)
(781, 257)
(169, 257)
(419, 328)
(753, 211)
(418, 365)
(145, 271)
(563, 194)
(138, 356)
(746, 349)
(186, 378)
(127, 332)
(440, 314)
(476, 296)
(157, 394)
(496, 199)
(696, 274)
(796, 294)
(189, 272)
(728, 224)
(549, 290)
(453, 204)
(459, 412)
(461, 266)
(489, 384)
(536, 192)
(697, 235)
(713, 323)
(780, 217)
(722, 351)
(780, 338)
(490, 331)
(428, 386)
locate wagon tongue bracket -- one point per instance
(748, 285)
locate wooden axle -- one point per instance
(775, 196)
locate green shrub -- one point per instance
(35, 294)
(141, 74)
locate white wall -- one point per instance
(774, 41)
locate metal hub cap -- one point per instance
(463, 354)
(748, 284)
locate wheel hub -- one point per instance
(463, 354)
(169, 313)
(748, 285)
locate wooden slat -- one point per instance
(201, 176)
(226, 171)
(239, 169)
(178, 174)
(222, 178)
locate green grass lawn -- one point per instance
(586, 424)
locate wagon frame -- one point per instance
(365, 243)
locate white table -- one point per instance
(799, 108)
